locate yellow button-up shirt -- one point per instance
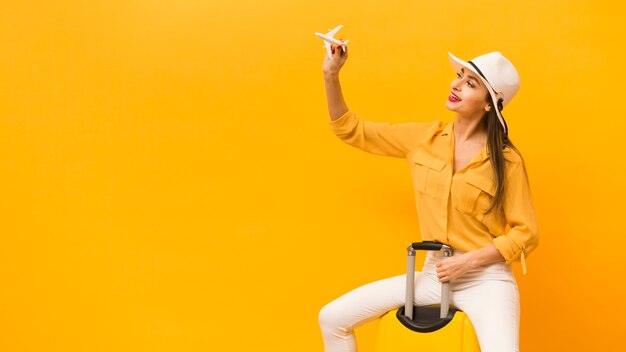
(451, 206)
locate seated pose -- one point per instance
(471, 192)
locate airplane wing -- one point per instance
(331, 34)
(328, 49)
(333, 31)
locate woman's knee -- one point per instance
(328, 315)
(363, 304)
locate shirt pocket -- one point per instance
(473, 195)
(427, 178)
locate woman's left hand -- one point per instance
(451, 268)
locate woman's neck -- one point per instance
(469, 130)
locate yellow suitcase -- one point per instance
(433, 328)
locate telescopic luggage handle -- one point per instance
(426, 319)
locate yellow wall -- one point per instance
(168, 181)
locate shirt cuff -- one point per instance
(344, 124)
(508, 248)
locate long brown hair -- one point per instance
(497, 140)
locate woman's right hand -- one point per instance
(333, 65)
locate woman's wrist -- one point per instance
(331, 74)
(483, 256)
(472, 261)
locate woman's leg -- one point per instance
(339, 318)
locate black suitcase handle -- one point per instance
(426, 318)
(427, 246)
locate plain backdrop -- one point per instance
(169, 182)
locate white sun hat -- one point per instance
(498, 74)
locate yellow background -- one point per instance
(168, 180)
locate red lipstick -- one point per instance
(453, 98)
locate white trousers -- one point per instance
(488, 295)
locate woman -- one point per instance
(471, 192)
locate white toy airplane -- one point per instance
(328, 39)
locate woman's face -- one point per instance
(467, 95)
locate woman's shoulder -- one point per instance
(429, 128)
(512, 155)
(420, 131)
(432, 124)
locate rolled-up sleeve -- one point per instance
(523, 236)
(380, 137)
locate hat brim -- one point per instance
(457, 64)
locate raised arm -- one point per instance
(331, 67)
(375, 137)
